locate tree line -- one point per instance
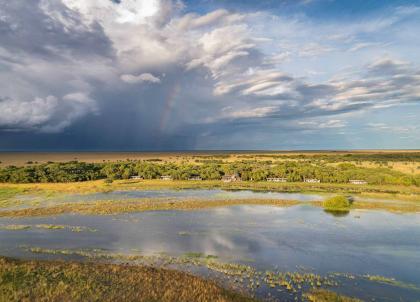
(293, 171)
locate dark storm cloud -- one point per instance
(49, 29)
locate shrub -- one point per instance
(337, 203)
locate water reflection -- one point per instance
(337, 213)
(191, 193)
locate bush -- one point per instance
(337, 203)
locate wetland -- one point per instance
(271, 246)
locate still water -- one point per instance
(193, 194)
(263, 237)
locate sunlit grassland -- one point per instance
(72, 281)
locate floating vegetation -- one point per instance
(391, 281)
(183, 233)
(15, 227)
(76, 229)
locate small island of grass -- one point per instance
(337, 204)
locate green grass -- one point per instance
(337, 203)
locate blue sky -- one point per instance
(207, 74)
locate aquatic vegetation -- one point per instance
(184, 233)
(193, 255)
(15, 227)
(242, 276)
(50, 226)
(139, 205)
(396, 207)
(76, 229)
(302, 283)
(323, 295)
(391, 281)
(73, 281)
(337, 203)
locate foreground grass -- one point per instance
(72, 281)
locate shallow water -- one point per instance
(264, 237)
(29, 201)
(191, 193)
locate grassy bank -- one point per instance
(72, 281)
(383, 191)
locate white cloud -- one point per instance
(142, 78)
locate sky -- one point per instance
(146, 75)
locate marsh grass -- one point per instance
(302, 283)
(73, 281)
(15, 227)
(20, 227)
(116, 207)
(391, 281)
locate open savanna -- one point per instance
(25, 158)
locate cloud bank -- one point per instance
(150, 74)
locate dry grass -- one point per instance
(72, 281)
(402, 166)
(22, 158)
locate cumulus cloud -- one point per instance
(144, 77)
